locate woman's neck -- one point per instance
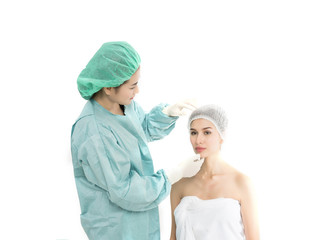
(213, 165)
(112, 107)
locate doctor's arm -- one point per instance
(108, 166)
(160, 121)
(155, 124)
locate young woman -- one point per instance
(118, 189)
(218, 202)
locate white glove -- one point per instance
(187, 168)
(179, 108)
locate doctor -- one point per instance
(118, 190)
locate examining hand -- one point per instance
(179, 109)
(187, 168)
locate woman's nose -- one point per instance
(200, 138)
(137, 90)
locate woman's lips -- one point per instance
(199, 149)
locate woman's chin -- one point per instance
(201, 154)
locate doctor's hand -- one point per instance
(187, 168)
(180, 108)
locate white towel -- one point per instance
(213, 219)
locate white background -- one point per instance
(266, 62)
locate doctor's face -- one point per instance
(126, 92)
(205, 138)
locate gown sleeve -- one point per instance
(155, 124)
(106, 165)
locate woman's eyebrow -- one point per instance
(202, 128)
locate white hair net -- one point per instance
(212, 113)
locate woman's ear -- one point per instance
(107, 90)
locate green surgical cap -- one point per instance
(112, 65)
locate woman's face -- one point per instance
(204, 138)
(124, 94)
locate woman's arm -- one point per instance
(249, 209)
(175, 200)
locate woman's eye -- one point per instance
(193, 133)
(207, 133)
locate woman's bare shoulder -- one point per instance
(242, 180)
(244, 185)
(182, 185)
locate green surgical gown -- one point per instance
(118, 190)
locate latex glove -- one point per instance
(187, 168)
(179, 109)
